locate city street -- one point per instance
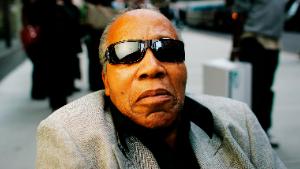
(19, 115)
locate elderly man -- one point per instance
(143, 118)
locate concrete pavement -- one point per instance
(10, 57)
(19, 115)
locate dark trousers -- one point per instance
(38, 90)
(264, 63)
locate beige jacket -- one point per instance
(81, 135)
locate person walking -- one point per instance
(99, 14)
(31, 44)
(259, 25)
(164, 7)
(59, 44)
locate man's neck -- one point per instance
(171, 139)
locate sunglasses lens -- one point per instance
(127, 52)
(169, 50)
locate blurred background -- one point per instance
(39, 77)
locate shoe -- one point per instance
(274, 143)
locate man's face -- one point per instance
(149, 92)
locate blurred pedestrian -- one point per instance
(99, 14)
(259, 25)
(30, 40)
(73, 16)
(59, 44)
(118, 4)
(136, 4)
(164, 7)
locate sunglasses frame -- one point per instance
(143, 46)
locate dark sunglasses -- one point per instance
(132, 51)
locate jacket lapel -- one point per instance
(206, 148)
(141, 156)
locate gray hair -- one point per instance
(102, 47)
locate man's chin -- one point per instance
(155, 109)
(157, 116)
(158, 120)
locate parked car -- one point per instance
(210, 13)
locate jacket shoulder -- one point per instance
(81, 129)
(81, 108)
(83, 119)
(230, 118)
(222, 107)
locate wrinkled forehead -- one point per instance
(140, 24)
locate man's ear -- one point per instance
(106, 84)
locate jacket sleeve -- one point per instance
(262, 154)
(55, 148)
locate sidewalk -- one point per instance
(19, 115)
(4, 51)
(10, 57)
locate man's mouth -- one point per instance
(157, 95)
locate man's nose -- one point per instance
(150, 67)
